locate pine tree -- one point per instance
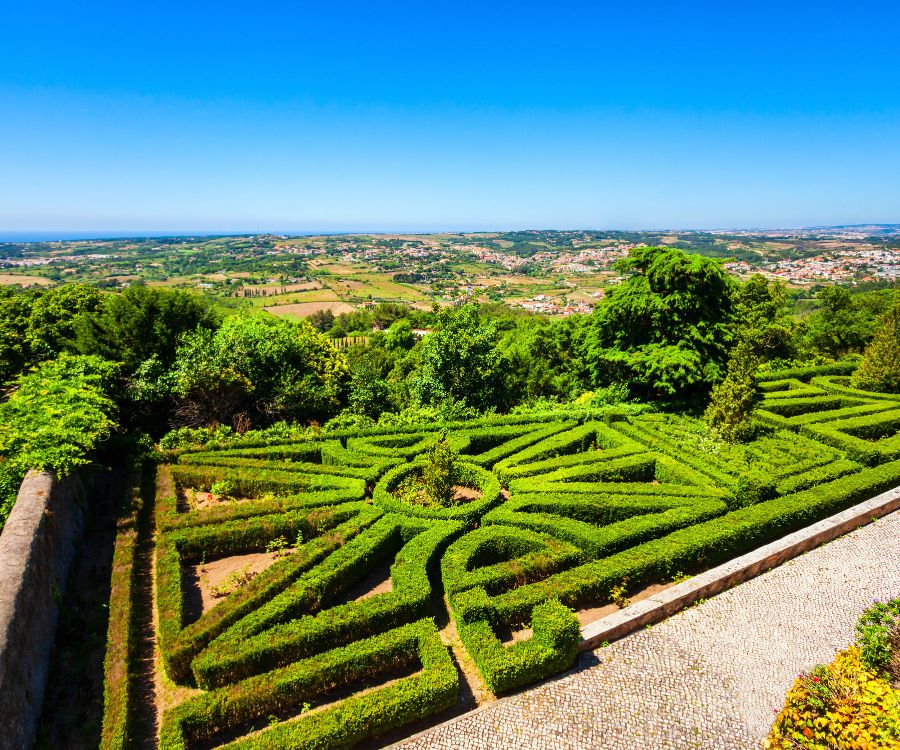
(730, 410)
(880, 368)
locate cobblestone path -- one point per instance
(708, 677)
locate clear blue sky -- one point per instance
(295, 116)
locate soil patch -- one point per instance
(201, 580)
(465, 494)
(190, 499)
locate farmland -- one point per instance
(549, 272)
(360, 610)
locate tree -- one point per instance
(400, 336)
(763, 309)
(141, 323)
(265, 368)
(667, 328)
(543, 357)
(51, 324)
(55, 418)
(369, 393)
(844, 323)
(730, 409)
(880, 368)
(460, 362)
(322, 320)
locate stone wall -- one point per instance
(36, 549)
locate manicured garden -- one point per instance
(373, 571)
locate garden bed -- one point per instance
(550, 526)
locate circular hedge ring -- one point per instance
(470, 475)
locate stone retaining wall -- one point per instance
(36, 549)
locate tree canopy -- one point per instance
(666, 329)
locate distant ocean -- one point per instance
(13, 236)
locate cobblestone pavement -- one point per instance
(708, 677)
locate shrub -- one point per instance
(841, 705)
(55, 419)
(880, 367)
(468, 475)
(413, 696)
(731, 404)
(873, 634)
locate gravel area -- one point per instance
(708, 677)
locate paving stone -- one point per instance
(709, 677)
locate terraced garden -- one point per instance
(309, 594)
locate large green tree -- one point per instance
(142, 323)
(667, 328)
(460, 362)
(257, 366)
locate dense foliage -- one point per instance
(880, 367)
(667, 328)
(849, 704)
(54, 420)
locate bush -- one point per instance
(880, 367)
(384, 495)
(874, 631)
(412, 697)
(55, 419)
(841, 705)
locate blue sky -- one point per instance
(219, 117)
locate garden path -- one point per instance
(709, 677)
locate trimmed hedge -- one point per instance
(284, 691)
(574, 440)
(251, 482)
(180, 642)
(805, 373)
(497, 558)
(702, 545)
(121, 638)
(468, 512)
(578, 521)
(236, 655)
(488, 445)
(264, 464)
(861, 437)
(843, 386)
(551, 648)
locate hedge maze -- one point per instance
(557, 514)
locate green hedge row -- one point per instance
(601, 526)
(121, 638)
(179, 641)
(843, 386)
(262, 464)
(253, 482)
(551, 648)
(488, 445)
(497, 558)
(237, 654)
(468, 513)
(813, 417)
(817, 475)
(284, 692)
(789, 388)
(793, 407)
(869, 439)
(805, 373)
(318, 586)
(569, 441)
(642, 431)
(698, 546)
